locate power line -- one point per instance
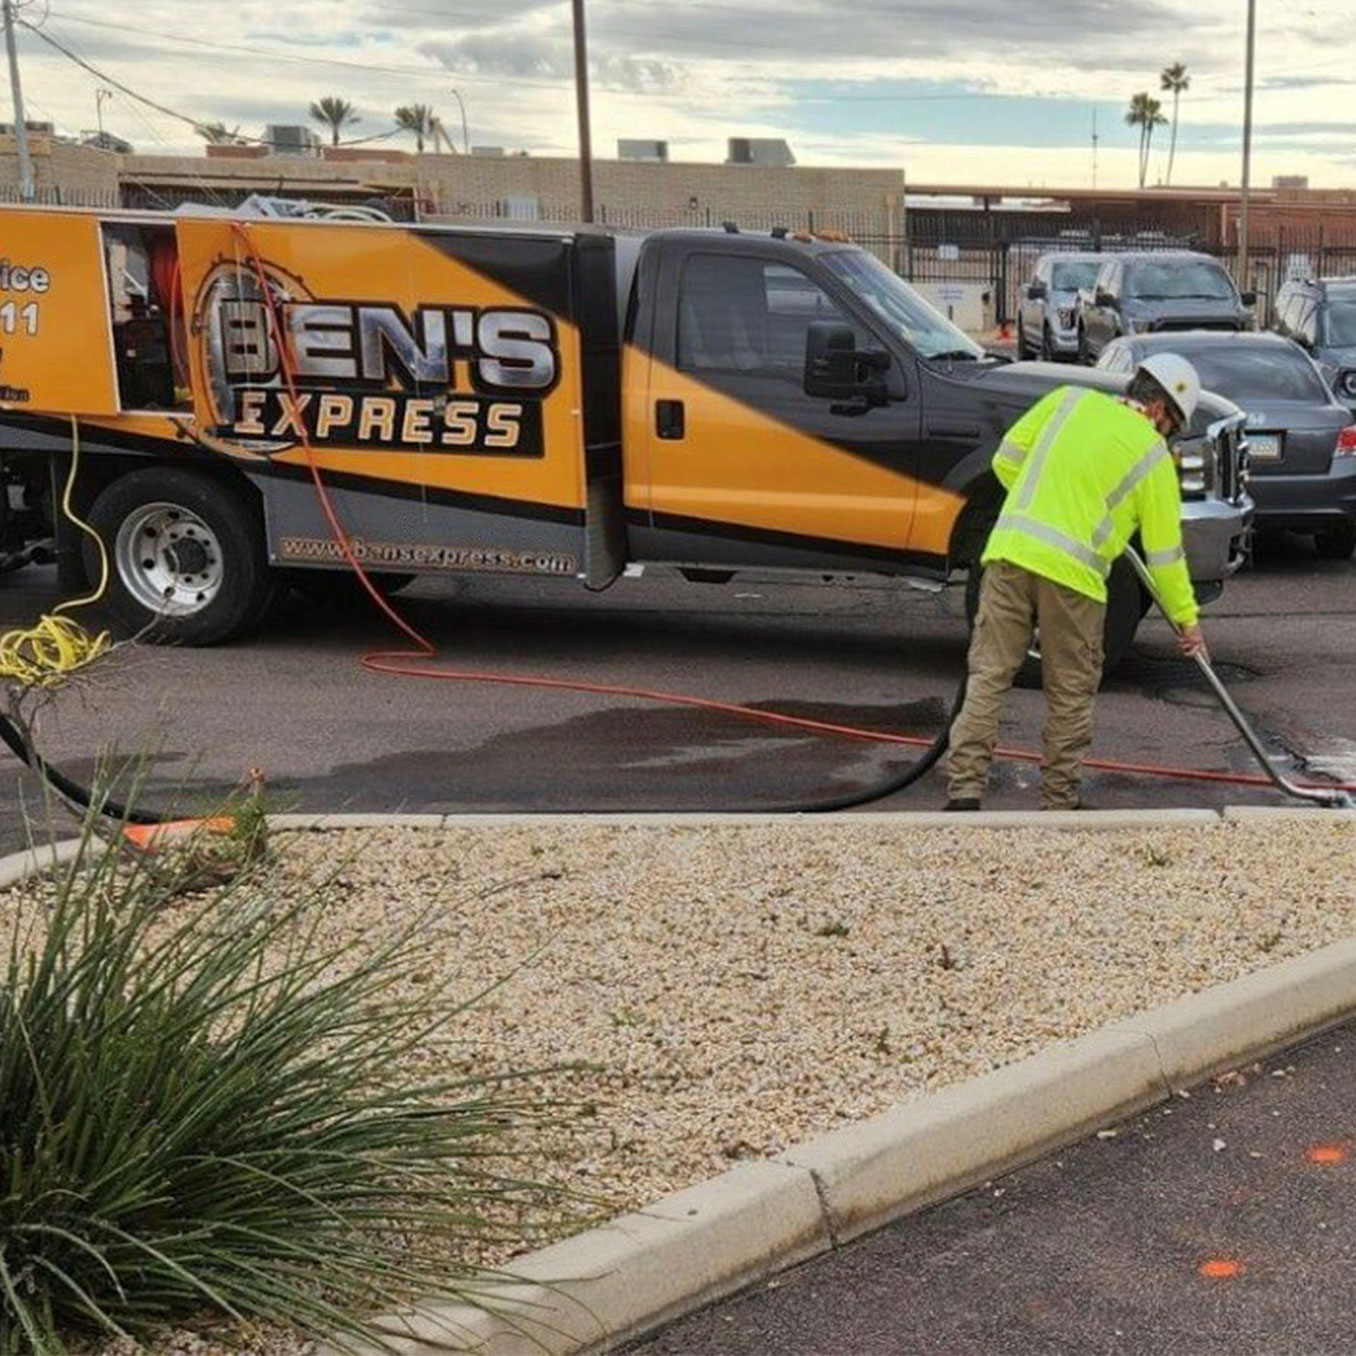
(204, 129)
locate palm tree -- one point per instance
(335, 113)
(216, 134)
(1175, 81)
(416, 118)
(1146, 113)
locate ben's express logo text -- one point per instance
(452, 379)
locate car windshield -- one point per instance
(1071, 276)
(929, 333)
(1249, 375)
(1339, 326)
(1177, 280)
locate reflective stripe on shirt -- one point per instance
(1169, 557)
(1051, 536)
(1043, 444)
(1143, 468)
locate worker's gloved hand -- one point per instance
(1192, 642)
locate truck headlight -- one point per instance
(1193, 469)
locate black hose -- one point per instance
(900, 781)
(63, 785)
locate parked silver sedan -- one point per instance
(1047, 316)
(1301, 441)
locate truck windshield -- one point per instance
(1174, 280)
(1073, 276)
(929, 333)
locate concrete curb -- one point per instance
(1081, 820)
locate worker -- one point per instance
(1084, 472)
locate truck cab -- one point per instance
(792, 404)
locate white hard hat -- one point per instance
(1178, 378)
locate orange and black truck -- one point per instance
(244, 392)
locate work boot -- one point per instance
(963, 803)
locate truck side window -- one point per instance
(744, 314)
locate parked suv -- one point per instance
(1047, 317)
(1320, 316)
(1164, 290)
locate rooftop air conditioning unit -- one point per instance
(772, 151)
(629, 148)
(286, 139)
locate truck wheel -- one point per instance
(1125, 608)
(187, 564)
(1084, 356)
(1336, 542)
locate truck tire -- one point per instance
(1125, 608)
(186, 558)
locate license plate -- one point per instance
(1264, 446)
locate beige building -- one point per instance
(865, 202)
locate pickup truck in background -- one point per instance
(1149, 292)
(533, 401)
(1047, 315)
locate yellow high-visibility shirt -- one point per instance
(1084, 472)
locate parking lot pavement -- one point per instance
(329, 735)
(1218, 1225)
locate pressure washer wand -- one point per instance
(1338, 800)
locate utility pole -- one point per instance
(26, 193)
(581, 94)
(1247, 147)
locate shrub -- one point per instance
(203, 1109)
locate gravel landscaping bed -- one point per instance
(736, 990)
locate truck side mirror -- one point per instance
(830, 360)
(1248, 298)
(1103, 298)
(1037, 292)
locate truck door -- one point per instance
(742, 467)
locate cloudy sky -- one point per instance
(948, 90)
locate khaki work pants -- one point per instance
(1011, 601)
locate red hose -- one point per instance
(394, 661)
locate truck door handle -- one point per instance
(668, 419)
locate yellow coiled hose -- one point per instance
(46, 654)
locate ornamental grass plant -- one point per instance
(207, 1110)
